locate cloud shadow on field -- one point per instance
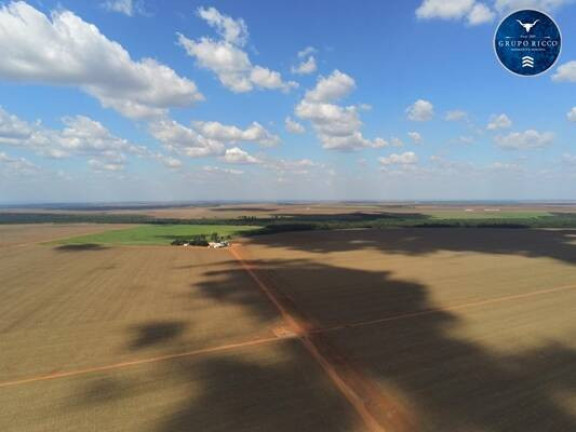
(440, 381)
(559, 244)
(152, 334)
(84, 247)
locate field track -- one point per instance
(343, 331)
(356, 388)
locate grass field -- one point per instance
(431, 330)
(155, 234)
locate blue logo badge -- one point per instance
(528, 42)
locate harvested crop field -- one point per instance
(14, 235)
(400, 330)
(149, 339)
(465, 330)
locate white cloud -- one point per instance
(75, 53)
(480, 14)
(294, 167)
(236, 155)
(227, 134)
(505, 6)
(569, 159)
(505, 167)
(204, 139)
(501, 121)
(125, 7)
(99, 166)
(456, 115)
(231, 30)
(81, 137)
(16, 165)
(396, 142)
(307, 52)
(565, 72)
(293, 126)
(306, 67)
(331, 88)
(422, 110)
(407, 158)
(474, 12)
(465, 139)
(571, 115)
(184, 140)
(219, 170)
(415, 137)
(337, 127)
(168, 161)
(529, 139)
(227, 58)
(444, 9)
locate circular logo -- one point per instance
(528, 42)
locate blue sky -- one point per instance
(119, 100)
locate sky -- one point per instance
(183, 100)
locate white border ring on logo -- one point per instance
(495, 40)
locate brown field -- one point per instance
(19, 235)
(461, 330)
(232, 211)
(400, 330)
(149, 339)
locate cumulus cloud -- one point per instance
(407, 158)
(226, 57)
(480, 14)
(293, 126)
(294, 167)
(255, 133)
(571, 115)
(474, 12)
(501, 121)
(308, 62)
(569, 159)
(529, 139)
(338, 127)
(331, 88)
(236, 155)
(422, 110)
(309, 50)
(75, 53)
(306, 67)
(565, 72)
(203, 139)
(16, 165)
(101, 166)
(231, 30)
(219, 170)
(415, 137)
(456, 115)
(125, 7)
(81, 136)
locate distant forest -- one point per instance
(296, 222)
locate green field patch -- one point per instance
(155, 234)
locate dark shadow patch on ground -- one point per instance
(444, 382)
(559, 244)
(152, 334)
(92, 247)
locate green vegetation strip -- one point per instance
(155, 234)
